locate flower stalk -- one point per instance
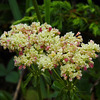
(37, 11)
(47, 10)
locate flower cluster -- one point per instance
(42, 45)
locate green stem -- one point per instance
(31, 70)
(39, 89)
(15, 9)
(57, 74)
(69, 97)
(27, 4)
(47, 10)
(37, 11)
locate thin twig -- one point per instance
(96, 83)
(92, 90)
(18, 86)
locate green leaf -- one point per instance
(44, 88)
(96, 30)
(53, 95)
(25, 19)
(15, 9)
(77, 21)
(47, 10)
(2, 70)
(37, 11)
(84, 84)
(2, 96)
(57, 85)
(30, 9)
(63, 95)
(68, 5)
(10, 65)
(90, 2)
(91, 25)
(28, 4)
(30, 75)
(12, 77)
(5, 95)
(47, 78)
(34, 81)
(4, 7)
(23, 90)
(31, 95)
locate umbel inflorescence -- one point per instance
(42, 45)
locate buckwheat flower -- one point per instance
(45, 63)
(35, 25)
(43, 46)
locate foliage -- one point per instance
(82, 17)
(10, 11)
(47, 10)
(41, 48)
(15, 9)
(5, 95)
(9, 74)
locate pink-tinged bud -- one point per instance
(12, 32)
(85, 68)
(47, 48)
(15, 62)
(24, 67)
(31, 32)
(40, 30)
(66, 59)
(55, 65)
(29, 45)
(78, 77)
(20, 53)
(90, 59)
(96, 56)
(64, 75)
(70, 79)
(78, 43)
(41, 46)
(58, 33)
(50, 71)
(63, 47)
(50, 28)
(91, 65)
(20, 67)
(72, 61)
(8, 40)
(28, 37)
(91, 41)
(20, 45)
(71, 44)
(65, 78)
(78, 33)
(35, 58)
